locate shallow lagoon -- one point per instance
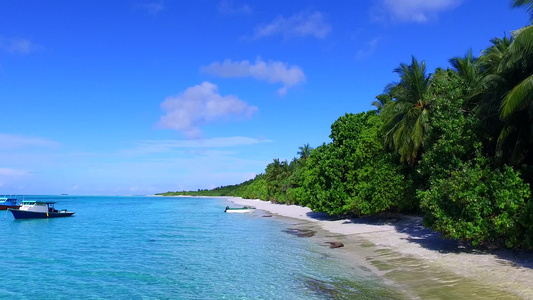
(171, 248)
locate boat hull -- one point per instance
(6, 207)
(239, 210)
(24, 214)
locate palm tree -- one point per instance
(304, 151)
(487, 96)
(274, 175)
(381, 101)
(406, 117)
(518, 62)
(492, 56)
(505, 93)
(516, 109)
(274, 169)
(467, 68)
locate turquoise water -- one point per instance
(168, 248)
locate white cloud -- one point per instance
(199, 105)
(155, 146)
(419, 11)
(368, 49)
(18, 45)
(219, 142)
(227, 7)
(302, 24)
(11, 141)
(272, 71)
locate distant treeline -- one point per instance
(454, 146)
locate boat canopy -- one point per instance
(33, 202)
(8, 201)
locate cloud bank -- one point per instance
(219, 142)
(419, 11)
(199, 105)
(301, 25)
(162, 146)
(272, 71)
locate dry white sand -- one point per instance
(401, 243)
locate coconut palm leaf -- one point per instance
(517, 65)
(528, 4)
(519, 98)
(381, 101)
(520, 135)
(519, 54)
(466, 68)
(420, 127)
(305, 151)
(491, 57)
(405, 118)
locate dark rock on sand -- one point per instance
(335, 244)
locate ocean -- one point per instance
(170, 248)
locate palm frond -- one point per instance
(466, 68)
(506, 132)
(521, 146)
(491, 57)
(528, 4)
(519, 53)
(518, 98)
(404, 120)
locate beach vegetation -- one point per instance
(354, 174)
(453, 146)
(406, 116)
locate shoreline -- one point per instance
(399, 248)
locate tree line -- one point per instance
(454, 146)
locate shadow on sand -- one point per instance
(414, 228)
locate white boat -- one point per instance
(244, 209)
(39, 210)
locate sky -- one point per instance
(134, 97)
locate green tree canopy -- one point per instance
(354, 174)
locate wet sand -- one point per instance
(417, 260)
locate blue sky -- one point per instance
(139, 97)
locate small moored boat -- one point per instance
(6, 203)
(39, 210)
(244, 209)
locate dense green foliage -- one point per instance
(453, 145)
(477, 203)
(353, 174)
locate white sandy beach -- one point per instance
(401, 243)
